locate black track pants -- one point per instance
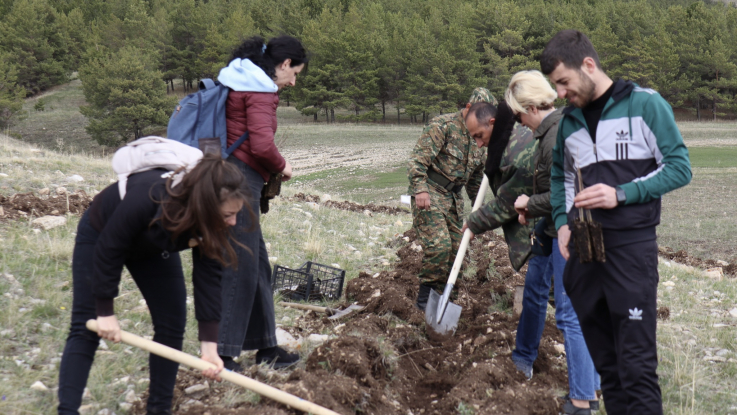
(616, 306)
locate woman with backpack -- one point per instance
(160, 215)
(256, 72)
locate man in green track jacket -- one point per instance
(624, 142)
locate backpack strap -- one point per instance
(237, 144)
(207, 83)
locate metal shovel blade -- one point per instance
(442, 321)
(342, 313)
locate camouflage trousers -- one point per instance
(439, 233)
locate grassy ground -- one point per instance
(35, 300)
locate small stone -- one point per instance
(376, 294)
(669, 283)
(39, 386)
(368, 213)
(716, 273)
(376, 275)
(559, 348)
(103, 345)
(105, 411)
(286, 319)
(722, 263)
(283, 338)
(44, 192)
(86, 395)
(61, 191)
(75, 178)
(87, 409)
(723, 352)
(733, 312)
(335, 265)
(131, 397)
(49, 222)
(268, 245)
(199, 388)
(324, 198)
(318, 339)
(308, 214)
(3, 175)
(385, 264)
(125, 407)
(313, 205)
(398, 223)
(272, 259)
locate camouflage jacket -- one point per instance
(446, 147)
(513, 179)
(539, 203)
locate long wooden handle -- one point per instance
(467, 235)
(308, 307)
(240, 380)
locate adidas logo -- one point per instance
(635, 314)
(623, 136)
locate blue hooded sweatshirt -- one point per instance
(242, 75)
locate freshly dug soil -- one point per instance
(382, 360)
(350, 206)
(21, 205)
(682, 257)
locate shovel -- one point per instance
(440, 314)
(334, 314)
(240, 380)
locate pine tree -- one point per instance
(126, 96)
(11, 94)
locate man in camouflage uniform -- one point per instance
(444, 160)
(511, 177)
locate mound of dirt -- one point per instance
(383, 361)
(20, 205)
(682, 257)
(350, 206)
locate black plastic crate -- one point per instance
(311, 282)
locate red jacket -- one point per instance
(254, 112)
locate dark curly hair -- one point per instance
(277, 51)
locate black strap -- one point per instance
(443, 181)
(237, 144)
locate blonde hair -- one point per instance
(529, 89)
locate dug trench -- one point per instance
(382, 360)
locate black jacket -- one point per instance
(126, 234)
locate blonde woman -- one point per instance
(531, 98)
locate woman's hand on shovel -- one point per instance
(108, 328)
(210, 354)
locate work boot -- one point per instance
(231, 364)
(277, 357)
(423, 296)
(569, 409)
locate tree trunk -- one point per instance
(399, 120)
(383, 112)
(332, 115)
(698, 109)
(315, 116)
(184, 86)
(327, 116)
(714, 108)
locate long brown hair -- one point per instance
(194, 206)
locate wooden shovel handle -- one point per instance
(240, 380)
(467, 235)
(308, 307)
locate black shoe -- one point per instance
(158, 412)
(569, 409)
(594, 405)
(277, 357)
(423, 296)
(231, 364)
